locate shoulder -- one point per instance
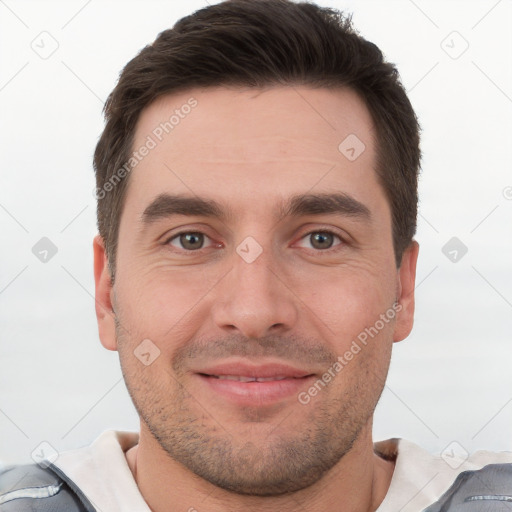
(489, 486)
(34, 488)
(451, 480)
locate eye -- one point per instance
(322, 240)
(188, 240)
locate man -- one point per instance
(257, 198)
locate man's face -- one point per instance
(277, 288)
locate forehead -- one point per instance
(251, 144)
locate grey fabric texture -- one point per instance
(486, 490)
(34, 488)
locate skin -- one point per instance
(295, 303)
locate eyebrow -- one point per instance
(167, 205)
(327, 203)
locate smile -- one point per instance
(244, 384)
(241, 378)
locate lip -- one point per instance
(281, 382)
(263, 371)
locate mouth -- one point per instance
(250, 385)
(241, 378)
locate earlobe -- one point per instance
(103, 295)
(405, 292)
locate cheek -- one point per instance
(158, 302)
(345, 302)
(163, 303)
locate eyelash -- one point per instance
(309, 233)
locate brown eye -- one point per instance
(190, 240)
(321, 240)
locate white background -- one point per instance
(450, 381)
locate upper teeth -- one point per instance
(242, 378)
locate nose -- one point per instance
(255, 298)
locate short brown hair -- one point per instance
(261, 43)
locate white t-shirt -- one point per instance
(419, 480)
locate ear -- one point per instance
(405, 292)
(104, 312)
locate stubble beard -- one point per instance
(261, 455)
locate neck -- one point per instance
(357, 483)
